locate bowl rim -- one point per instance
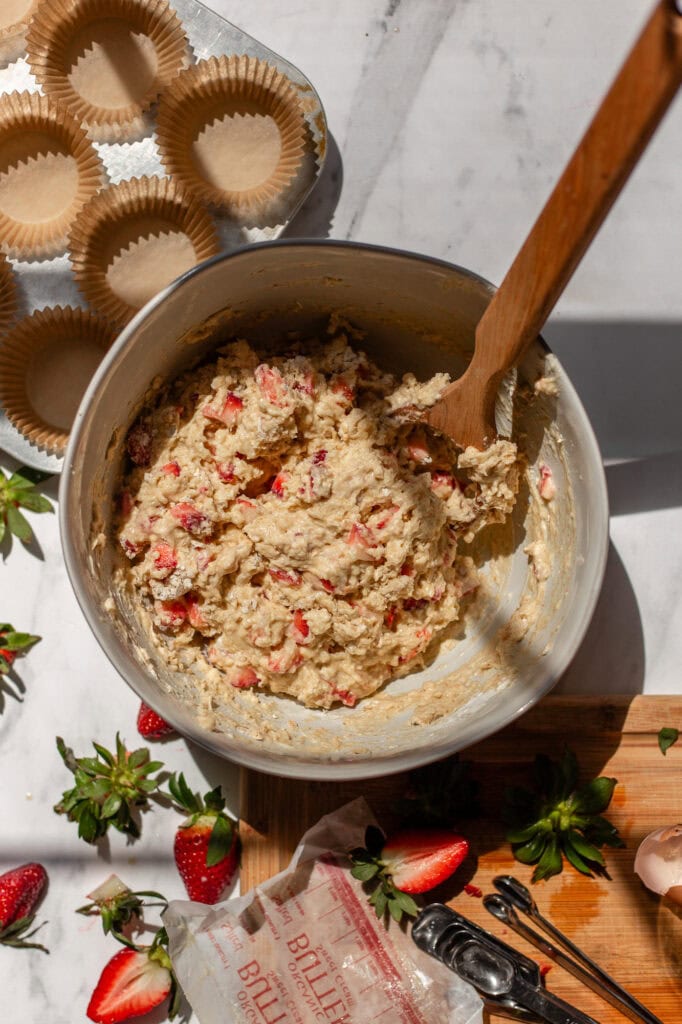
(332, 770)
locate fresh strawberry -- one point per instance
(206, 845)
(191, 518)
(20, 892)
(139, 443)
(134, 982)
(171, 468)
(271, 383)
(412, 861)
(151, 725)
(228, 413)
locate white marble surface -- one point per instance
(451, 119)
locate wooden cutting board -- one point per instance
(627, 930)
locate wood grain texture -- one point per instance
(632, 934)
(593, 178)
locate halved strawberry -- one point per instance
(206, 846)
(411, 861)
(133, 982)
(191, 518)
(228, 413)
(271, 383)
(151, 725)
(20, 892)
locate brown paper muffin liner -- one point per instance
(107, 60)
(48, 171)
(231, 129)
(14, 19)
(8, 295)
(133, 239)
(46, 362)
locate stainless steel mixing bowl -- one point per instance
(419, 314)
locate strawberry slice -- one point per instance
(191, 519)
(272, 385)
(228, 413)
(21, 890)
(151, 725)
(420, 859)
(132, 983)
(206, 846)
(171, 468)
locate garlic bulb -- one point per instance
(658, 862)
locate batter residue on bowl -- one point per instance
(285, 525)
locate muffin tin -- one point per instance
(244, 99)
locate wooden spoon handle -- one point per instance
(588, 187)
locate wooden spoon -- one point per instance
(584, 194)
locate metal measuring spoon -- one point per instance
(494, 974)
(517, 895)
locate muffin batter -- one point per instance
(287, 525)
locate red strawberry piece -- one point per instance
(473, 890)
(277, 485)
(546, 487)
(139, 443)
(171, 468)
(345, 696)
(388, 515)
(390, 617)
(320, 456)
(289, 578)
(342, 389)
(328, 586)
(545, 969)
(172, 614)
(361, 536)
(228, 413)
(271, 383)
(284, 660)
(194, 615)
(420, 859)
(300, 628)
(418, 450)
(126, 503)
(191, 519)
(131, 549)
(248, 509)
(407, 569)
(410, 603)
(165, 559)
(151, 725)
(8, 656)
(243, 678)
(443, 484)
(226, 472)
(131, 984)
(206, 846)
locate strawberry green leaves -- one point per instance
(666, 738)
(108, 789)
(13, 643)
(368, 866)
(17, 492)
(560, 819)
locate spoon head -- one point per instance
(515, 892)
(500, 908)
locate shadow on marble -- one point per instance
(643, 485)
(636, 413)
(314, 219)
(612, 651)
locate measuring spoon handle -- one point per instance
(546, 1004)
